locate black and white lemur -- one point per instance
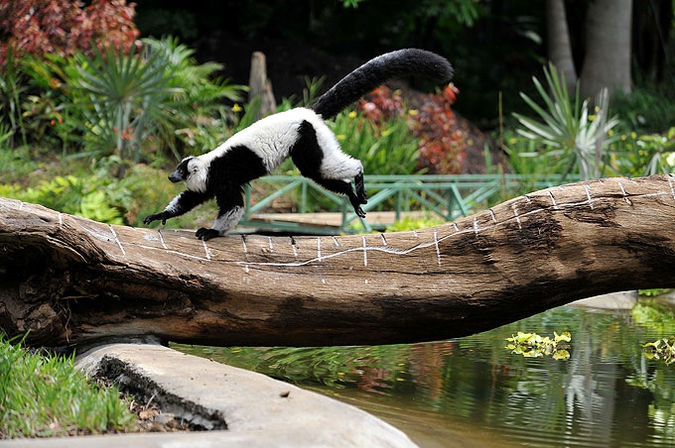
(300, 133)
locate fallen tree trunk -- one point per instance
(70, 280)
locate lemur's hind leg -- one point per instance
(345, 188)
(336, 170)
(360, 188)
(328, 166)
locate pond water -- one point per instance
(474, 392)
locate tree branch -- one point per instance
(70, 280)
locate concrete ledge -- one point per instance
(241, 408)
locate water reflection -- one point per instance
(606, 395)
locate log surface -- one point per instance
(70, 280)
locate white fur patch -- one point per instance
(272, 137)
(229, 220)
(338, 165)
(197, 175)
(171, 208)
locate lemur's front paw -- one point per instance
(359, 211)
(206, 234)
(155, 217)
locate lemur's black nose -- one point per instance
(175, 177)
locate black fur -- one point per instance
(372, 74)
(185, 202)
(237, 167)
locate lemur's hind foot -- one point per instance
(356, 203)
(359, 212)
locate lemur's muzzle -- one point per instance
(175, 177)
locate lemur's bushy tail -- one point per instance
(400, 63)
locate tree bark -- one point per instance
(607, 62)
(70, 280)
(559, 46)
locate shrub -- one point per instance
(567, 129)
(440, 142)
(527, 158)
(37, 29)
(126, 99)
(199, 107)
(647, 109)
(643, 155)
(88, 197)
(130, 104)
(64, 27)
(81, 76)
(384, 147)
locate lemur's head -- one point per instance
(192, 171)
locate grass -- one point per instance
(45, 396)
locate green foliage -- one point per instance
(451, 13)
(569, 131)
(108, 190)
(652, 292)
(11, 89)
(526, 159)
(311, 91)
(408, 223)
(532, 345)
(647, 109)
(51, 28)
(88, 197)
(654, 314)
(643, 155)
(127, 97)
(44, 396)
(204, 91)
(351, 3)
(389, 148)
(334, 366)
(140, 103)
(132, 104)
(6, 134)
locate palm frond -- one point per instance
(564, 123)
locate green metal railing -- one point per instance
(445, 196)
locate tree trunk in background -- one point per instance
(607, 62)
(70, 280)
(559, 46)
(260, 86)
